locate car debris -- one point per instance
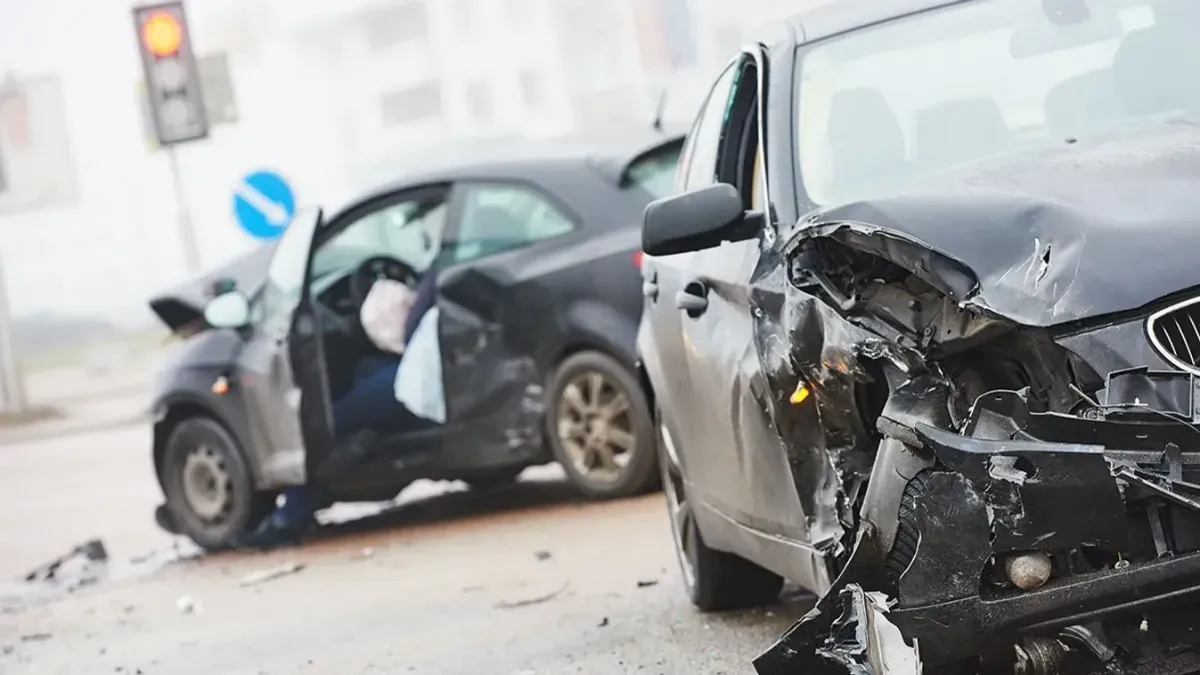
(84, 565)
(847, 634)
(186, 604)
(264, 575)
(532, 601)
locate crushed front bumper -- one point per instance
(1111, 497)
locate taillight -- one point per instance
(637, 259)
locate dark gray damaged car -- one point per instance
(923, 333)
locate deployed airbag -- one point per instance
(419, 378)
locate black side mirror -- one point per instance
(697, 220)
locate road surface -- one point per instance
(527, 580)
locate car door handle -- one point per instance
(693, 299)
(650, 290)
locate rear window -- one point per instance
(654, 172)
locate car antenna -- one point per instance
(661, 107)
(658, 109)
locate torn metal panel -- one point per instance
(802, 340)
(849, 635)
(1029, 513)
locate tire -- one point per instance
(629, 468)
(908, 536)
(715, 580)
(240, 505)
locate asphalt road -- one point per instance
(525, 580)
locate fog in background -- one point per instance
(334, 94)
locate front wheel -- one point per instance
(715, 580)
(208, 485)
(600, 428)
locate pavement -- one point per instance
(525, 580)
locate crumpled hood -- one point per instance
(183, 305)
(1073, 232)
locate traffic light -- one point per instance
(172, 81)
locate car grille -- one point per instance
(1175, 333)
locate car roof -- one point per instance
(833, 17)
(837, 16)
(608, 153)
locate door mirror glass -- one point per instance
(228, 310)
(696, 221)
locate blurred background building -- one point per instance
(331, 94)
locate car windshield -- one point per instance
(881, 107)
(654, 173)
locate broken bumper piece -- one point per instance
(860, 640)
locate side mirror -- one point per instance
(228, 310)
(697, 220)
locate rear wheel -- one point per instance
(715, 580)
(208, 485)
(600, 427)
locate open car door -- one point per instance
(493, 395)
(306, 351)
(282, 368)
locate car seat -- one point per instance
(866, 142)
(958, 131)
(1153, 66)
(1082, 104)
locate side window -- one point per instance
(285, 273)
(704, 139)
(500, 217)
(408, 228)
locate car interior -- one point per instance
(869, 146)
(398, 242)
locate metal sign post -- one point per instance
(176, 100)
(187, 233)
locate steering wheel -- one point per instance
(379, 267)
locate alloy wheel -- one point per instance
(678, 509)
(207, 485)
(595, 427)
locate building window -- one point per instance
(466, 16)
(412, 104)
(392, 25)
(592, 32)
(532, 85)
(481, 102)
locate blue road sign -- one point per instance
(264, 204)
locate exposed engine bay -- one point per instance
(1013, 497)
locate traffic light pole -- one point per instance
(183, 216)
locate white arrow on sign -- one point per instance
(275, 212)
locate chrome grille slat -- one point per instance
(1184, 335)
(1175, 334)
